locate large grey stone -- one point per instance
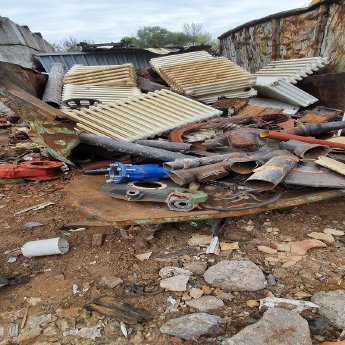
(276, 327)
(332, 306)
(206, 303)
(236, 276)
(191, 326)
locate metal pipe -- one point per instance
(316, 128)
(131, 148)
(53, 90)
(287, 136)
(202, 174)
(305, 150)
(239, 163)
(197, 162)
(166, 145)
(268, 176)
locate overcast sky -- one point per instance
(108, 21)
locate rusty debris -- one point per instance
(179, 183)
(179, 146)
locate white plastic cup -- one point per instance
(51, 246)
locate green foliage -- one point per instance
(157, 36)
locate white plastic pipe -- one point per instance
(50, 246)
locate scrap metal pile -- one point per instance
(198, 139)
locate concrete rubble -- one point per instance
(187, 209)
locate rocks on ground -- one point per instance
(276, 327)
(234, 275)
(175, 283)
(332, 306)
(191, 326)
(206, 303)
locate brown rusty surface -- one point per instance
(328, 88)
(235, 103)
(19, 91)
(314, 31)
(27, 79)
(84, 196)
(256, 110)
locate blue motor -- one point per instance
(119, 173)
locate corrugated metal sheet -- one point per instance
(138, 58)
(205, 77)
(283, 91)
(103, 94)
(18, 44)
(314, 31)
(158, 63)
(293, 70)
(141, 117)
(112, 75)
(266, 102)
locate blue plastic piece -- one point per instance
(120, 173)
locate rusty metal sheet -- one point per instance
(328, 88)
(58, 136)
(313, 31)
(100, 209)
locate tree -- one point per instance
(151, 36)
(69, 44)
(193, 30)
(157, 36)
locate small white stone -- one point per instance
(322, 236)
(333, 232)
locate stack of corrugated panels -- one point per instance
(205, 77)
(292, 70)
(101, 93)
(111, 75)
(158, 63)
(281, 90)
(142, 116)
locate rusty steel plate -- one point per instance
(100, 210)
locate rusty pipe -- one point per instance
(316, 128)
(242, 164)
(269, 175)
(305, 150)
(197, 162)
(288, 136)
(201, 174)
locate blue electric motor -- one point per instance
(120, 173)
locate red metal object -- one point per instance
(283, 136)
(36, 170)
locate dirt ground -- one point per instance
(44, 285)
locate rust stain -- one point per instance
(315, 31)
